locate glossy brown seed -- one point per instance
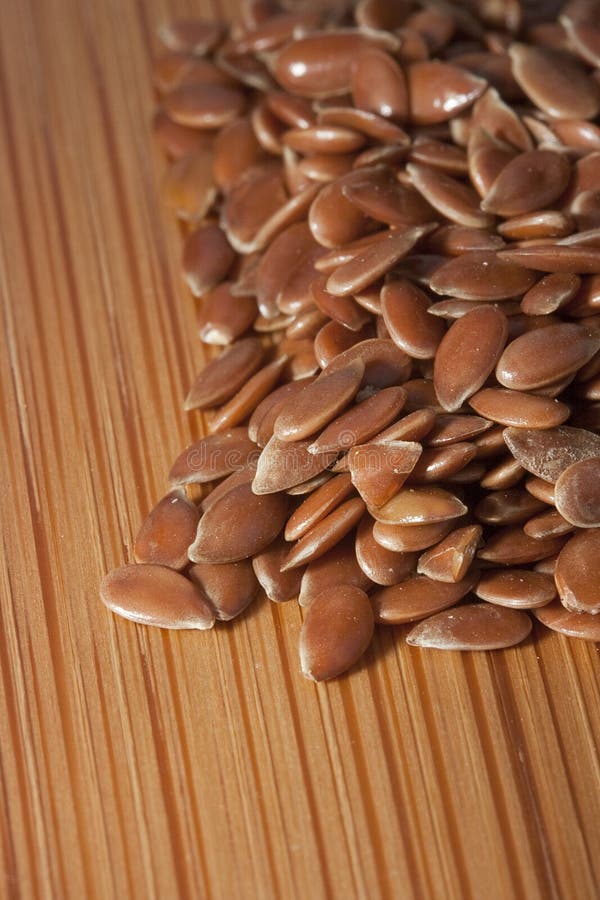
(205, 106)
(317, 505)
(229, 587)
(500, 120)
(576, 572)
(336, 631)
(510, 546)
(319, 402)
(188, 188)
(224, 317)
(412, 427)
(384, 199)
(416, 598)
(337, 566)
(517, 588)
(326, 166)
(419, 506)
(262, 420)
(529, 182)
(550, 294)
(324, 139)
(547, 223)
(449, 429)
(506, 474)
(296, 112)
(487, 157)
(361, 422)
(378, 85)
(573, 624)
(481, 276)
(287, 252)
(438, 463)
(549, 452)
(478, 626)
(213, 457)
(238, 525)
(382, 566)
(278, 586)
(385, 364)
(555, 82)
(334, 221)
(235, 151)
(256, 196)
(341, 309)
(507, 507)
(405, 311)
(392, 140)
(226, 374)
(555, 258)
(519, 409)
(547, 524)
(439, 91)
(540, 357)
(411, 538)
(543, 490)
(191, 35)
(453, 240)
(172, 69)
(440, 155)
(207, 257)
(453, 199)
(245, 401)
(167, 532)
(325, 534)
(178, 140)
(378, 470)
(577, 493)
(334, 339)
(477, 339)
(156, 595)
(451, 559)
(284, 464)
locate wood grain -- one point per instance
(137, 763)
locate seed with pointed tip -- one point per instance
(336, 631)
(167, 532)
(478, 626)
(319, 402)
(230, 587)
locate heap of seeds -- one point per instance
(392, 221)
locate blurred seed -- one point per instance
(336, 632)
(188, 188)
(576, 572)
(178, 140)
(205, 106)
(577, 493)
(507, 507)
(478, 626)
(235, 151)
(324, 139)
(418, 597)
(226, 374)
(229, 587)
(438, 91)
(501, 121)
(555, 82)
(392, 139)
(378, 85)
(207, 257)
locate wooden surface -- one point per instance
(142, 764)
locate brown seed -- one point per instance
(576, 572)
(573, 624)
(235, 151)
(550, 294)
(477, 339)
(453, 199)
(504, 475)
(256, 196)
(510, 546)
(500, 120)
(262, 420)
(207, 257)
(317, 505)
(285, 255)
(225, 317)
(324, 139)
(555, 258)
(481, 276)
(230, 587)
(326, 166)
(555, 82)
(382, 566)
(517, 588)
(212, 457)
(378, 85)
(325, 534)
(547, 524)
(547, 223)
(543, 490)
(577, 493)
(188, 188)
(319, 402)
(439, 155)
(540, 357)
(191, 35)
(172, 69)
(450, 429)
(238, 525)
(410, 538)
(451, 559)
(156, 595)
(361, 422)
(529, 182)
(412, 427)
(453, 240)
(418, 597)
(278, 586)
(293, 111)
(405, 312)
(337, 566)
(277, 29)
(248, 397)
(336, 631)
(378, 470)
(439, 91)
(167, 532)
(284, 464)
(205, 106)
(334, 338)
(385, 364)
(419, 506)
(548, 453)
(178, 140)
(341, 309)
(333, 220)
(439, 463)
(519, 409)
(226, 374)
(384, 199)
(478, 626)
(393, 140)
(507, 507)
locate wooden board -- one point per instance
(142, 764)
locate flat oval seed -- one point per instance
(223, 376)
(416, 598)
(477, 340)
(555, 82)
(336, 631)
(262, 420)
(378, 85)
(317, 505)
(419, 506)
(235, 151)
(453, 199)
(576, 572)
(519, 409)
(207, 257)
(188, 188)
(191, 36)
(319, 402)
(324, 139)
(325, 534)
(385, 364)
(404, 307)
(451, 558)
(540, 357)
(205, 106)
(337, 566)
(278, 586)
(256, 196)
(546, 223)
(555, 258)
(510, 546)
(167, 532)
(481, 276)
(478, 626)
(517, 588)
(439, 463)
(452, 429)
(527, 183)
(212, 457)
(551, 293)
(361, 422)
(410, 538)
(248, 397)
(285, 464)
(439, 91)
(573, 624)
(156, 595)
(549, 452)
(577, 493)
(412, 427)
(378, 470)
(382, 566)
(541, 489)
(224, 317)
(333, 220)
(384, 199)
(507, 507)
(230, 587)
(238, 525)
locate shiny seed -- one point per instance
(378, 85)
(317, 505)
(336, 631)
(439, 91)
(519, 409)
(450, 429)
(361, 422)
(223, 376)
(453, 199)
(419, 506)
(410, 538)
(478, 626)
(235, 151)
(278, 586)
(418, 597)
(507, 507)
(550, 294)
(382, 566)
(405, 311)
(207, 257)
(576, 572)
(325, 534)
(324, 139)
(230, 587)
(248, 397)
(529, 182)
(385, 364)
(555, 258)
(573, 624)
(439, 463)
(546, 223)
(188, 188)
(284, 464)
(205, 106)
(481, 276)
(212, 457)
(191, 35)
(378, 470)
(167, 532)
(225, 317)
(517, 588)
(547, 524)
(577, 493)
(262, 420)
(451, 559)
(319, 402)
(510, 546)
(337, 566)
(555, 82)
(538, 358)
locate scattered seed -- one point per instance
(478, 626)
